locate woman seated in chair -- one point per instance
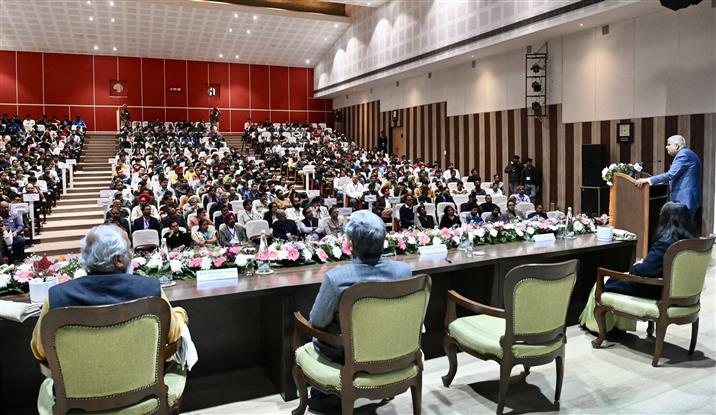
(205, 235)
(449, 219)
(424, 221)
(675, 224)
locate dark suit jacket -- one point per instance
(138, 224)
(280, 229)
(651, 267)
(102, 290)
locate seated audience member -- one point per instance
(366, 234)
(381, 207)
(494, 190)
(282, 201)
(216, 207)
(270, 215)
(146, 221)
(106, 256)
(230, 232)
(460, 189)
(474, 177)
(177, 238)
(200, 214)
(424, 193)
(5, 242)
(449, 219)
(320, 212)
(284, 228)
(495, 216)
(488, 206)
(520, 196)
(478, 190)
(333, 225)
(510, 213)
(444, 197)
(407, 216)
(205, 235)
(474, 216)
(172, 215)
(538, 214)
(247, 214)
(219, 219)
(261, 205)
(424, 221)
(115, 218)
(310, 226)
(191, 205)
(295, 212)
(471, 203)
(12, 222)
(675, 224)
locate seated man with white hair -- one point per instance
(106, 255)
(366, 234)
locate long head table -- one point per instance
(243, 328)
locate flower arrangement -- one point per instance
(183, 264)
(626, 168)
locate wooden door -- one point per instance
(397, 142)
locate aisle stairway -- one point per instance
(77, 211)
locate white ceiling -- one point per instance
(364, 3)
(172, 29)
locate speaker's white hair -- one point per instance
(678, 140)
(100, 248)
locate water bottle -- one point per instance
(466, 243)
(263, 261)
(569, 230)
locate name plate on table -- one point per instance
(104, 201)
(216, 275)
(107, 193)
(330, 202)
(19, 207)
(370, 198)
(432, 249)
(71, 162)
(345, 211)
(393, 200)
(31, 197)
(544, 237)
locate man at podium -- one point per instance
(684, 177)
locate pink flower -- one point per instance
(423, 239)
(273, 254)
(173, 255)
(136, 265)
(444, 233)
(401, 245)
(23, 276)
(293, 254)
(235, 250)
(456, 232)
(322, 255)
(263, 255)
(346, 247)
(218, 262)
(195, 262)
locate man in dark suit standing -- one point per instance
(146, 221)
(514, 174)
(383, 142)
(683, 177)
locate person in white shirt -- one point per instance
(295, 213)
(354, 190)
(28, 123)
(261, 205)
(520, 196)
(320, 212)
(247, 214)
(494, 190)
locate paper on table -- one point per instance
(15, 311)
(623, 235)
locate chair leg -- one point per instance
(559, 362)
(694, 336)
(505, 371)
(650, 329)
(599, 316)
(660, 334)
(416, 393)
(451, 353)
(302, 391)
(347, 404)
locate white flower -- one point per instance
(605, 171)
(175, 266)
(609, 183)
(437, 241)
(530, 230)
(638, 167)
(520, 233)
(493, 233)
(578, 227)
(411, 240)
(155, 262)
(206, 263)
(336, 252)
(456, 239)
(282, 255)
(140, 260)
(79, 273)
(612, 166)
(479, 232)
(4, 280)
(308, 255)
(509, 226)
(242, 260)
(385, 244)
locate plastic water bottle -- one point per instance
(263, 261)
(569, 230)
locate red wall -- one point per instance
(59, 84)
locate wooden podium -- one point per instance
(636, 209)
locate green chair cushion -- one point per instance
(325, 372)
(644, 307)
(482, 333)
(175, 381)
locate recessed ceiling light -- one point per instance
(248, 32)
(237, 56)
(236, 15)
(111, 20)
(111, 4)
(231, 30)
(255, 17)
(369, 3)
(96, 47)
(325, 38)
(335, 24)
(114, 49)
(308, 61)
(89, 2)
(472, 56)
(221, 55)
(581, 25)
(91, 19)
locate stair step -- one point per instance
(60, 236)
(88, 189)
(68, 224)
(56, 248)
(82, 182)
(60, 216)
(89, 206)
(93, 175)
(73, 199)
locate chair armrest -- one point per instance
(473, 306)
(44, 369)
(303, 326)
(623, 276)
(170, 349)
